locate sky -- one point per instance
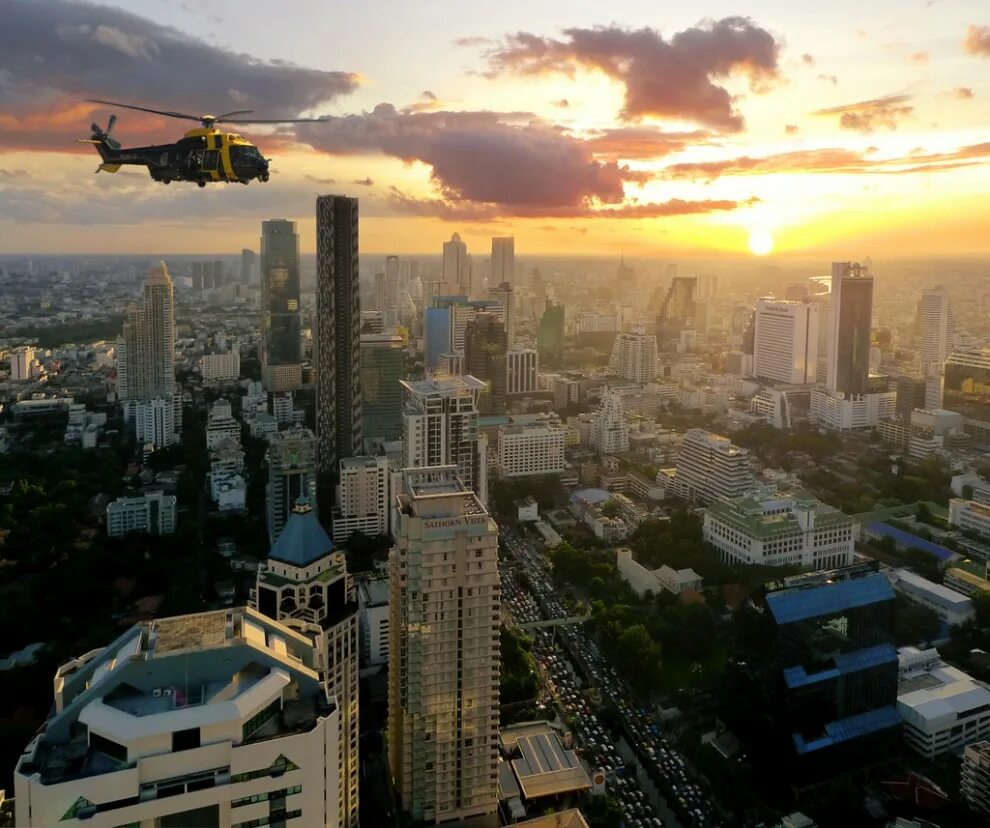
(840, 129)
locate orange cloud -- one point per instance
(865, 116)
(963, 93)
(977, 41)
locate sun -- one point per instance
(760, 242)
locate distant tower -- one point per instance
(505, 296)
(550, 335)
(503, 261)
(456, 267)
(485, 347)
(785, 342)
(338, 340)
(382, 367)
(850, 320)
(281, 341)
(609, 432)
(291, 460)
(248, 260)
(937, 340)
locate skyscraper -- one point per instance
(338, 340)
(503, 261)
(485, 347)
(248, 261)
(436, 335)
(505, 296)
(382, 367)
(634, 357)
(522, 366)
(938, 333)
(609, 432)
(550, 335)
(291, 460)
(281, 344)
(440, 428)
(677, 313)
(967, 390)
(785, 344)
(456, 267)
(444, 607)
(850, 317)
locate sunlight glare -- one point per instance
(760, 242)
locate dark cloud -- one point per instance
(963, 93)
(562, 103)
(676, 79)
(53, 53)
(363, 182)
(977, 40)
(642, 143)
(317, 180)
(791, 129)
(832, 160)
(428, 95)
(866, 116)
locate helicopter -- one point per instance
(204, 155)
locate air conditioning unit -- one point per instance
(167, 691)
(156, 692)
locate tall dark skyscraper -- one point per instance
(678, 311)
(550, 336)
(485, 346)
(850, 318)
(281, 346)
(338, 340)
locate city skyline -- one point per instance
(792, 128)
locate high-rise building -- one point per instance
(677, 312)
(217, 718)
(338, 336)
(550, 335)
(382, 367)
(440, 428)
(710, 467)
(291, 461)
(634, 357)
(248, 264)
(457, 267)
(531, 448)
(363, 498)
(850, 318)
(305, 579)
(609, 432)
(152, 513)
(20, 364)
(522, 366)
(503, 294)
(485, 347)
(967, 389)
(444, 606)
(910, 394)
(436, 336)
(938, 330)
(281, 343)
(785, 345)
(975, 781)
(503, 266)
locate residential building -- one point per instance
(664, 578)
(363, 498)
(785, 345)
(966, 389)
(280, 350)
(839, 412)
(306, 580)
(522, 367)
(217, 718)
(221, 367)
(382, 368)
(943, 708)
(850, 318)
(21, 360)
(975, 777)
(444, 602)
(950, 606)
(485, 347)
(533, 448)
(773, 527)
(634, 357)
(550, 334)
(338, 340)
(155, 422)
(221, 425)
(937, 334)
(440, 428)
(710, 467)
(970, 516)
(457, 267)
(153, 513)
(291, 459)
(374, 613)
(609, 432)
(503, 266)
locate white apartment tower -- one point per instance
(440, 428)
(709, 467)
(363, 498)
(634, 357)
(522, 366)
(785, 345)
(457, 267)
(217, 718)
(444, 606)
(938, 334)
(531, 448)
(609, 432)
(503, 261)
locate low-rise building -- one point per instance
(970, 516)
(643, 580)
(153, 513)
(840, 412)
(943, 708)
(950, 606)
(527, 510)
(965, 582)
(975, 781)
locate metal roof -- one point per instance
(546, 769)
(846, 730)
(906, 539)
(801, 603)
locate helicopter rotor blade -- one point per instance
(274, 120)
(164, 112)
(226, 115)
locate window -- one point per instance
(185, 739)
(112, 749)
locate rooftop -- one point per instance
(546, 769)
(931, 689)
(303, 540)
(945, 596)
(374, 591)
(813, 600)
(908, 540)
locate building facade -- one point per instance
(634, 357)
(785, 344)
(281, 340)
(485, 348)
(291, 459)
(710, 467)
(850, 320)
(382, 368)
(966, 389)
(363, 498)
(503, 268)
(522, 368)
(938, 330)
(153, 513)
(975, 781)
(531, 448)
(457, 267)
(609, 432)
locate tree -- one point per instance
(981, 607)
(914, 623)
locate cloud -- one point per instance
(977, 41)
(54, 53)
(963, 93)
(677, 79)
(363, 182)
(318, 180)
(428, 95)
(791, 129)
(832, 79)
(473, 40)
(866, 116)
(922, 58)
(808, 60)
(562, 103)
(642, 142)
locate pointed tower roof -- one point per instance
(303, 541)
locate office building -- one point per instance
(457, 268)
(937, 331)
(217, 718)
(943, 708)
(550, 334)
(966, 389)
(785, 344)
(281, 340)
(965, 582)
(338, 340)
(383, 360)
(710, 467)
(436, 336)
(444, 602)
(373, 616)
(291, 459)
(634, 357)
(975, 777)
(21, 360)
(451, 363)
(305, 579)
(609, 432)
(153, 513)
(440, 428)
(910, 394)
(677, 312)
(839, 412)
(531, 448)
(485, 347)
(850, 318)
(522, 367)
(249, 262)
(363, 498)
(772, 527)
(503, 294)
(503, 268)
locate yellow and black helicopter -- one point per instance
(203, 155)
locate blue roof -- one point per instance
(591, 495)
(906, 539)
(801, 603)
(303, 540)
(845, 663)
(846, 730)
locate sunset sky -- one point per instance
(845, 128)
